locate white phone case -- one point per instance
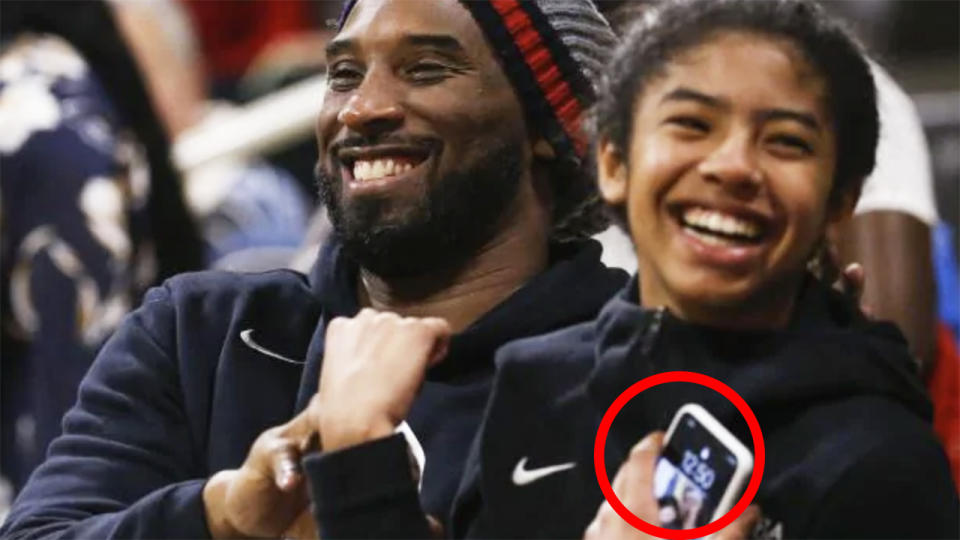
(741, 474)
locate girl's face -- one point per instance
(726, 180)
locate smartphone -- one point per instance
(702, 471)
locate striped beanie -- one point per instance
(554, 52)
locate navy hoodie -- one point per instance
(845, 419)
(213, 359)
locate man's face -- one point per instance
(422, 139)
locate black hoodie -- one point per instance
(845, 420)
(213, 359)
(447, 411)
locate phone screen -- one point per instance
(691, 476)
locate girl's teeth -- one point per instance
(712, 220)
(710, 239)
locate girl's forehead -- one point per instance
(743, 63)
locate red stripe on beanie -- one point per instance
(538, 58)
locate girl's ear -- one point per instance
(842, 209)
(611, 174)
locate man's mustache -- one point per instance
(362, 141)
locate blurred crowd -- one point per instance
(96, 208)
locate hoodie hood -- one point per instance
(333, 280)
(828, 352)
(572, 289)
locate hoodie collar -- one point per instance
(333, 280)
(827, 352)
(572, 289)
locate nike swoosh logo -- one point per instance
(523, 476)
(247, 337)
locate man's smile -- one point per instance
(372, 168)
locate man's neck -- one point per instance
(516, 254)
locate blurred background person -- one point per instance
(92, 211)
(252, 47)
(252, 214)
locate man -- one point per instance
(451, 162)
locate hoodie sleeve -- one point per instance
(124, 466)
(366, 491)
(902, 489)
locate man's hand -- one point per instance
(634, 486)
(302, 528)
(373, 366)
(266, 494)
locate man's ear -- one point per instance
(544, 150)
(611, 173)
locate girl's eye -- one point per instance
(690, 123)
(792, 144)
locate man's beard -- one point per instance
(459, 215)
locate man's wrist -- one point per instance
(214, 505)
(337, 437)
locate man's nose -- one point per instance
(734, 166)
(374, 106)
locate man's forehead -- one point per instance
(396, 22)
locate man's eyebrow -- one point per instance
(339, 46)
(802, 117)
(438, 41)
(688, 94)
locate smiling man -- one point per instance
(452, 164)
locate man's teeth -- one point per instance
(364, 169)
(718, 222)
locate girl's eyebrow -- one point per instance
(688, 94)
(802, 117)
(765, 115)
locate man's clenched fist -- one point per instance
(373, 366)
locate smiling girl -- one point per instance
(731, 134)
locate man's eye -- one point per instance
(341, 77)
(427, 72)
(689, 123)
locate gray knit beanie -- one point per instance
(554, 52)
